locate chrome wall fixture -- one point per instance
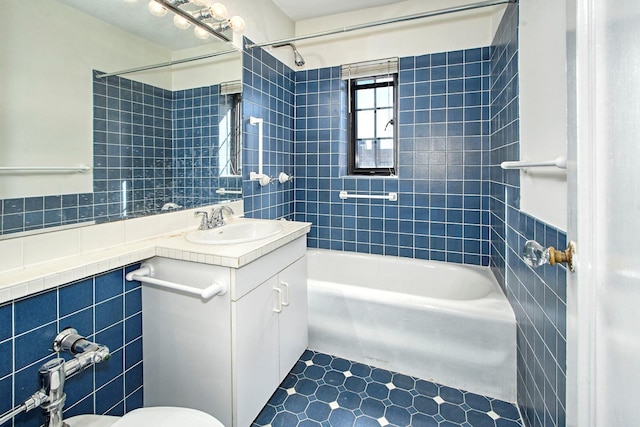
(298, 59)
(53, 374)
(207, 17)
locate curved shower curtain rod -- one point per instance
(406, 18)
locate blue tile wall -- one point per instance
(196, 115)
(268, 93)
(132, 150)
(151, 146)
(442, 184)
(33, 213)
(538, 297)
(106, 309)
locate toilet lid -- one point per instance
(166, 416)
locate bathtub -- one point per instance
(447, 323)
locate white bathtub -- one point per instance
(448, 323)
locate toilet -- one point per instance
(160, 416)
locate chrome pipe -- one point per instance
(53, 376)
(165, 64)
(32, 402)
(298, 59)
(12, 413)
(406, 18)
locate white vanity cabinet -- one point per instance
(270, 334)
(225, 356)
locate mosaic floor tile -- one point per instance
(327, 391)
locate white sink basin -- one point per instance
(238, 232)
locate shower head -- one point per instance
(298, 59)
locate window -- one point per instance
(230, 135)
(373, 120)
(372, 123)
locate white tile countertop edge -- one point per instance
(32, 279)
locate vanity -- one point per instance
(227, 354)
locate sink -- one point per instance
(238, 232)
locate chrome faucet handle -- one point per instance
(204, 224)
(217, 215)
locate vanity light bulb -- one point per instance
(218, 11)
(200, 33)
(157, 9)
(180, 22)
(237, 24)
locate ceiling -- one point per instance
(135, 18)
(298, 10)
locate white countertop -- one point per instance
(36, 278)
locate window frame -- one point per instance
(352, 151)
(235, 137)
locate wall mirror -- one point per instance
(79, 147)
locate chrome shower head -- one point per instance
(298, 59)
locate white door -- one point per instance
(603, 359)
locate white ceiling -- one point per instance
(136, 19)
(298, 10)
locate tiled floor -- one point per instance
(326, 391)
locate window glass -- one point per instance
(373, 118)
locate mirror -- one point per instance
(76, 147)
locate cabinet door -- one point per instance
(255, 351)
(294, 336)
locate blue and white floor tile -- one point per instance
(327, 391)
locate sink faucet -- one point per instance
(215, 219)
(205, 224)
(217, 216)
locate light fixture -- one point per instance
(237, 24)
(218, 11)
(201, 33)
(208, 17)
(181, 22)
(157, 9)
